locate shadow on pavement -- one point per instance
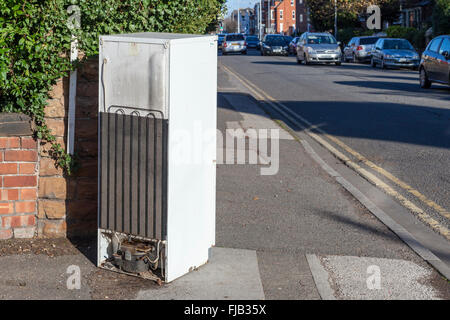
(382, 121)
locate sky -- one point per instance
(233, 4)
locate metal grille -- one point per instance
(133, 172)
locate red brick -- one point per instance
(57, 90)
(6, 207)
(28, 143)
(1, 156)
(9, 143)
(52, 209)
(18, 221)
(57, 127)
(20, 155)
(27, 168)
(5, 234)
(26, 207)
(53, 188)
(28, 194)
(19, 181)
(47, 167)
(54, 229)
(9, 194)
(8, 168)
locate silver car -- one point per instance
(359, 49)
(394, 52)
(318, 48)
(234, 43)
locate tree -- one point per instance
(441, 17)
(230, 25)
(322, 12)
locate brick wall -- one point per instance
(18, 177)
(36, 197)
(68, 205)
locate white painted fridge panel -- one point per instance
(191, 156)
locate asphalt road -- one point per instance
(382, 114)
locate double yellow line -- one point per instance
(299, 120)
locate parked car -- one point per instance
(293, 45)
(234, 42)
(220, 38)
(288, 39)
(252, 41)
(435, 62)
(314, 47)
(274, 44)
(360, 49)
(394, 52)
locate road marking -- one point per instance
(263, 96)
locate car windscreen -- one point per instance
(368, 40)
(235, 37)
(321, 39)
(252, 39)
(399, 44)
(275, 41)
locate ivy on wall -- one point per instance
(35, 44)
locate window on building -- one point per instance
(301, 18)
(281, 14)
(292, 2)
(293, 14)
(271, 15)
(300, 1)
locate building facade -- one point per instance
(246, 20)
(287, 17)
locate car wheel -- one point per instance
(244, 52)
(224, 53)
(338, 63)
(424, 81)
(372, 63)
(383, 66)
(298, 60)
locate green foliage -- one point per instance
(441, 17)
(35, 44)
(345, 35)
(416, 37)
(401, 32)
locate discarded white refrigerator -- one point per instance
(157, 153)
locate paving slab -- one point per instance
(230, 274)
(369, 278)
(40, 277)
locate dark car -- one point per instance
(293, 45)
(274, 44)
(394, 52)
(220, 38)
(435, 62)
(252, 41)
(288, 39)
